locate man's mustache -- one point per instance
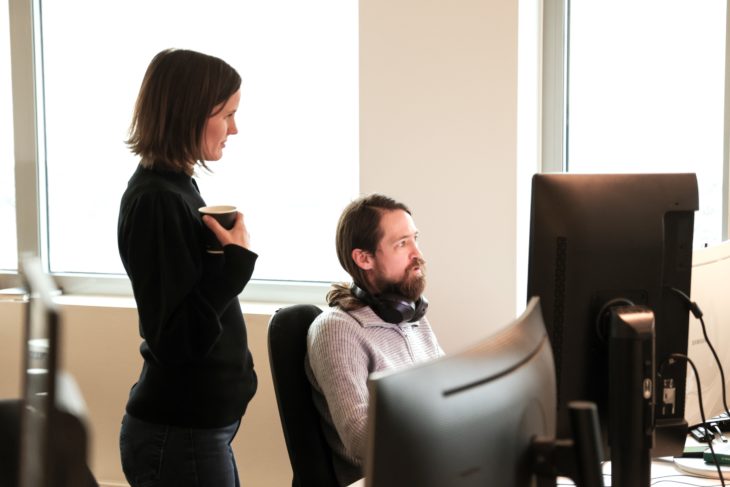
(417, 262)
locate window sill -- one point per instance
(121, 302)
(260, 298)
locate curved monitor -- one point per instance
(466, 419)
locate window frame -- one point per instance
(26, 51)
(555, 82)
(28, 152)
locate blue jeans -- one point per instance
(156, 455)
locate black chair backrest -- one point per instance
(309, 454)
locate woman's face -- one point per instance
(219, 127)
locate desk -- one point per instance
(664, 473)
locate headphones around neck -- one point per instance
(392, 308)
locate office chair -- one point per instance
(309, 454)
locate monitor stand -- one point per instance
(578, 458)
(631, 395)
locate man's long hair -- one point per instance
(359, 228)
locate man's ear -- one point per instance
(363, 259)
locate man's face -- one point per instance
(398, 265)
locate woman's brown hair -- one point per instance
(180, 90)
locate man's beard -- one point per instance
(411, 286)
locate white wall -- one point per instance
(438, 130)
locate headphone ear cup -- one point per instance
(360, 294)
(395, 308)
(421, 308)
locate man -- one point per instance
(377, 323)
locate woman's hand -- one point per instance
(237, 235)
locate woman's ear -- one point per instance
(363, 259)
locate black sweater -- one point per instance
(198, 370)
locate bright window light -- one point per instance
(293, 165)
(8, 241)
(646, 94)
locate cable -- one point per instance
(670, 360)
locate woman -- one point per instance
(198, 376)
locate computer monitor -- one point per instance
(470, 418)
(710, 275)
(53, 438)
(609, 255)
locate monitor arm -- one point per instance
(578, 458)
(631, 395)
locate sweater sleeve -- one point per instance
(339, 361)
(179, 298)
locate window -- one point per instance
(298, 122)
(645, 93)
(8, 243)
